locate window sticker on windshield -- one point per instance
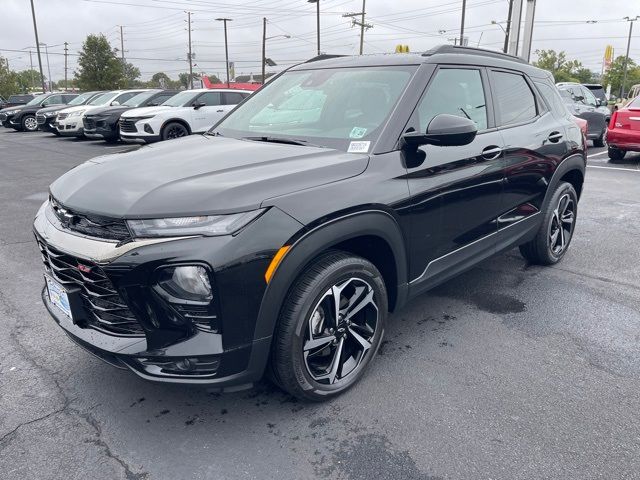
(357, 132)
(358, 147)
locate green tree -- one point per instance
(8, 84)
(584, 75)
(131, 74)
(28, 79)
(161, 80)
(615, 74)
(98, 66)
(563, 70)
(213, 79)
(183, 78)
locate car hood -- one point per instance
(199, 175)
(19, 108)
(111, 110)
(54, 108)
(146, 111)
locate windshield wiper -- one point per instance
(288, 141)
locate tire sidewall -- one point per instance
(356, 268)
(24, 123)
(165, 130)
(563, 188)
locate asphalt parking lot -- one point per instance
(509, 371)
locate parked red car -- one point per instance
(623, 134)
(583, 124)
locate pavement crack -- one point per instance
(7, 436)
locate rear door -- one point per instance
(535, 143)
(464, 182)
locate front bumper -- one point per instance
(236, 355)
(624, 139)
(70, 127)
(100, 127)
(6, 120)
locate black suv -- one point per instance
(46, 117)
(102, 123)
(281, 240)
(15, 100)
(23, 118)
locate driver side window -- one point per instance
(454, 91)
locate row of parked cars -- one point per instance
(146, 115)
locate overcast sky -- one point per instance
(155, 35)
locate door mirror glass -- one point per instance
(444, 130)
(115, 103)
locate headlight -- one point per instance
(50, 114)
(11, 112)
(77, 114)
(210, 225)
(144, 118)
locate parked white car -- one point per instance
(190, 111)
(69, 121)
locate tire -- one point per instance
(616, 154)
(550, 243)
(29, 123)
(601, 141)
(174, 130)
(304, 369)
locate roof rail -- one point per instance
(472, 51)
(324, 56)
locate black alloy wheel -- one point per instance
(615, 154)
(330, 328)
(174, 130)
(556, 231)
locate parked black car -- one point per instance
(103, 123)
(328, 198)
(23, 118)
(46, 117)
(15, 100)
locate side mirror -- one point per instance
(197, 105)
(598, 102)
(115, 103)
(444, 130)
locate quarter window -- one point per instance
(515, 102)
(455, 92)
(232, 98)
(124, 97)
(552, 97)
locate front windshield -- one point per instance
(139, 99)
(101, 99)
(181, 99)
(80, 99)
(328, 107)
(37, 99)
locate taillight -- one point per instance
(612, 122)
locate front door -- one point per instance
(465, 181)
(204, 117)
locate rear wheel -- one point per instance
(601, 141)
(330, 327)
(174, 130)
(616, 154)
(556, 231)
(29, 123)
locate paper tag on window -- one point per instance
(358, 147)
(357, 132)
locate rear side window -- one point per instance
(552, 97)
(53, 100)
(210, 98)
(232, 98)
(454, 91)
(160, 99)
(124, 97)
(515, 102)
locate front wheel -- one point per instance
(556, 231)
(601, 141)
(174, 130)
(330, 327)
(29, 123)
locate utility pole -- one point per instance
(35, 29)
(360, 23)
(464, 9)
(66, 53)
(31, 70)
(317, 2)
(528, 29)
(626, 58)
(46, 50)
(122, 45)
(226, 45)
(264, 47)
(514, 29)
(190, 55)
(508, 30)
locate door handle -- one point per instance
(491, 152)
(219, 111)
(554, 137)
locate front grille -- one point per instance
(3, 117)
(89, 123)
(201, 315)
(41, 119)
(62, 116)
(91, 225)
(128, 125)
(106, 310)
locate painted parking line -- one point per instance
(614, 168)
(597, 154)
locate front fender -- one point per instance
(311, 243)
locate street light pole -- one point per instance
(35, 29)
(46, 49)
(626, 58)
(464, 8)
(317, 2)
(226, 45)
(264, 47)
(190, 53)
